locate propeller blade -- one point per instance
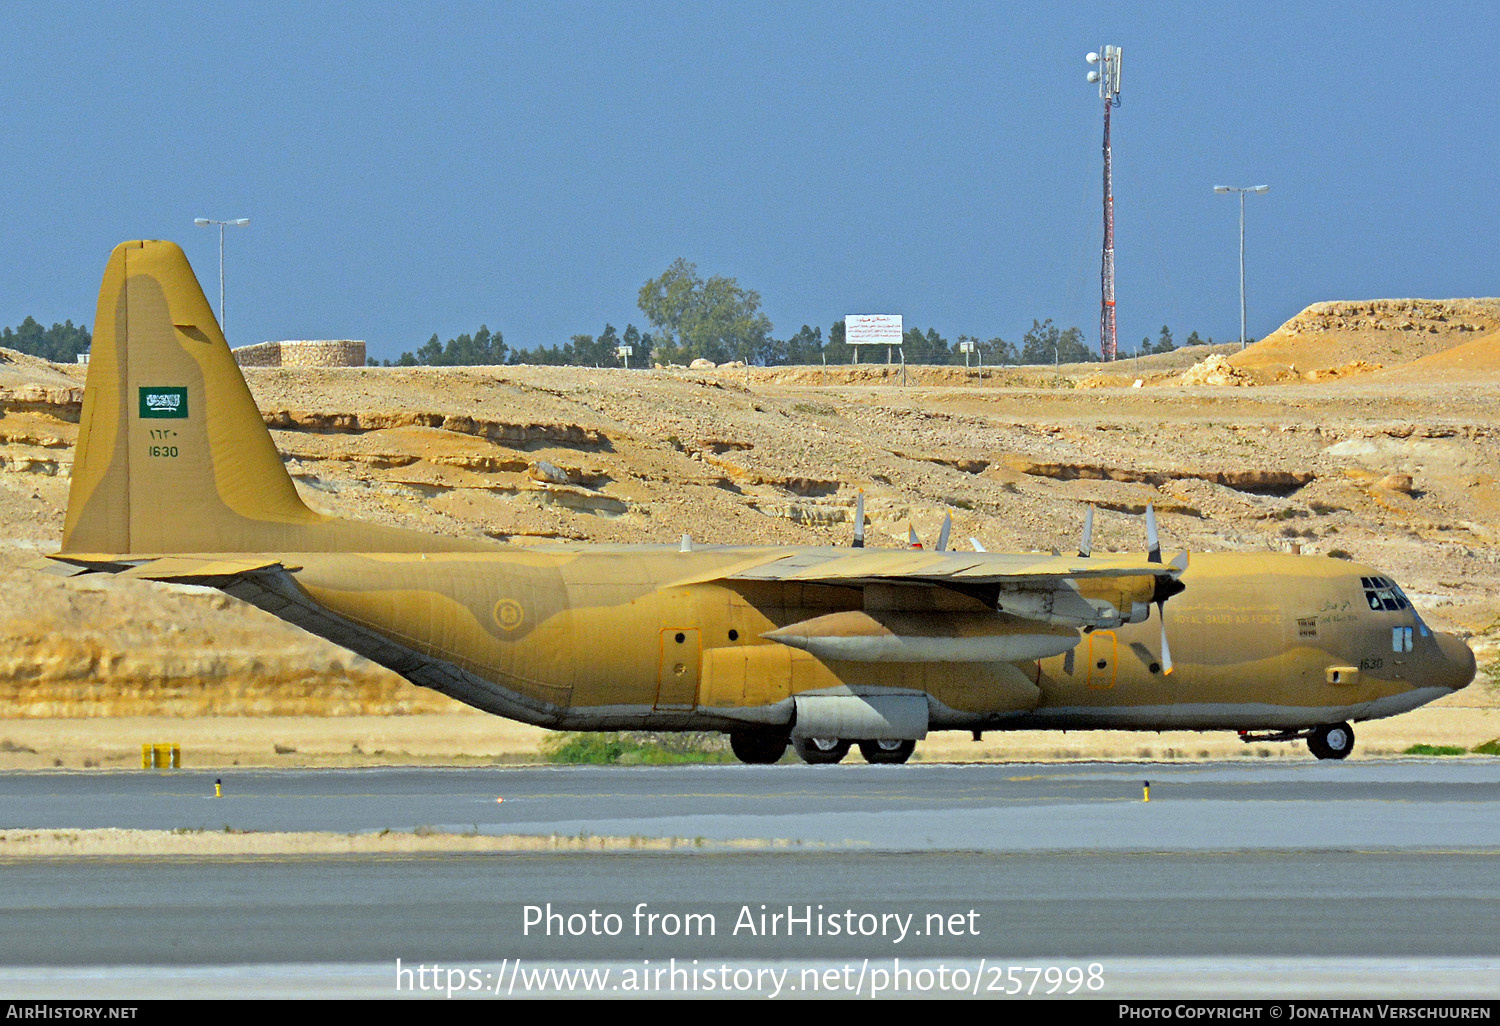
(977, 547)
(942, 545)
(1153, 543)
(912, 541)
(1086, 546)
(1166, 653)
(859, 520)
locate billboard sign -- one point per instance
(872, 329)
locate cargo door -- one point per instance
(1103, 660)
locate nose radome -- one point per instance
(1457, 667)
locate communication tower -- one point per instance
(1107, 73)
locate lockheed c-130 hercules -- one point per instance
(176, 478)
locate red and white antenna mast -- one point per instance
(1107, 74)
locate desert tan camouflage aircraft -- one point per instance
(176, 479)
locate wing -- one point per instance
(846, 566)
(1073, 591)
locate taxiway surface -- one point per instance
(1087, 807)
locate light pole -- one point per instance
(1242, 191)
(204, 222)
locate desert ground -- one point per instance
(1366, 429)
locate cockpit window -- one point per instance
(1382, 595)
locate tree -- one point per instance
(590, 351)
(430, 353)
(640, 345)
(480, 349)
(1164, 343)
(1046, 343)
(837, 350)
(992, 353)
(607, 345)
(60, 343)
(998, 351)
(713, 319)
(924, 347)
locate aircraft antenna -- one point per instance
(1107, 74)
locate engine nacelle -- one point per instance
(892, 636)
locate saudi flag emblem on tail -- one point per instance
(159, 403)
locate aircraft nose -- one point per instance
(1456, 661)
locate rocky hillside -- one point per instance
(1404, 477)
(1342, 338)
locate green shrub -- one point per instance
(633, 748)
(1490, 747)
(1436, 750)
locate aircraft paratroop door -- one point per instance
(677, 676)
(1102, 659)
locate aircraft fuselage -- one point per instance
(602, 638)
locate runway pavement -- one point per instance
(1091, 807)
(1276, 924)
(1367, 878)
(1013, 906)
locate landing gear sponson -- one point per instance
(1330, 741)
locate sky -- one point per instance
(419, 168)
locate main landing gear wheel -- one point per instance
(821, 751)
(1331, 741)
(758, 748)
(889, 752)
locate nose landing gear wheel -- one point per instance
(821, 751)
(758, 748)
(1331, 741)
(887, 752)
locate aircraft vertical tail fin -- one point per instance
(173, 455)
